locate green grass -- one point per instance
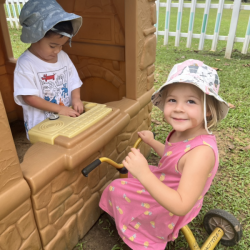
(18, 47)
(224, 27)
(231, 188)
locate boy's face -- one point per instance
(48, 47)
(183, 108)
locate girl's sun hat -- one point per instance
(39, 16)
(197, 73)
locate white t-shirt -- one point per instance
(53, 82)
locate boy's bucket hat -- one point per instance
(39, 16)
(197, 73)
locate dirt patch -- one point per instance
(103, 235)
(153, 159)
(21, 142)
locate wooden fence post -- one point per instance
(232, 29)
(167, 21)
(18, 7)
(9, 14)
(191, 24)
(217, 25)
(178, 23)
(14, 10)
(157, 17)
(204, 24)
(247, 39)
(14, 14)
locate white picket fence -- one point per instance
(13, 8)
(236, 6)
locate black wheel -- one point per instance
(227, 222)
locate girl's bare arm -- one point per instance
(197, 166)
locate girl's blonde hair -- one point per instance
(212, 107)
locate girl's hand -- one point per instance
(68, 111)
(136, 163)
(147, 136)
(77, 105)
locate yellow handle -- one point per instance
(137, 143)
(113, 163)
(117, 165)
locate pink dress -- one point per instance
(140, 220)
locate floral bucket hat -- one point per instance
(39, 16)
(197, 73)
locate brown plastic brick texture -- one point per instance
(46, 203)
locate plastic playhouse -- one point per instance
(46, 203)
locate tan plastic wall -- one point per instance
(100, 48)
(17, 225)
(116, 63)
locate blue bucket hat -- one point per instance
(39, 16)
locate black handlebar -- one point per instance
(97, 162)
(91, 167)
(122, 170)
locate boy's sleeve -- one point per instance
(75, 81)
(24, 84)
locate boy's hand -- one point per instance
(147, 136)
(68, 111)
(136, 163)
(40, 103)
(77, 105)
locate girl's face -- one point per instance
(48, 47)
(183, 108)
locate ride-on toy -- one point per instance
(222, 226)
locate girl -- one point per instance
(45, 79)
(154, 203)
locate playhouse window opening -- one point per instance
(12, 12)
(18, 47)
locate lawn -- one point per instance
(231, 188)
(19, 47)
(224, 27)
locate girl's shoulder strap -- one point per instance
(209, 140)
